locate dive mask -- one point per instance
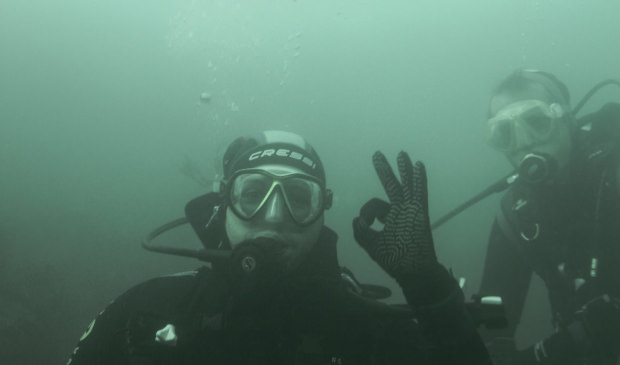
(535, 118)
(305, 197)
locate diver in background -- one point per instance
(560, 220)
(278, 296)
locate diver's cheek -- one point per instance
(237, 229)
(560, 147)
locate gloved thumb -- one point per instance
(375, 208)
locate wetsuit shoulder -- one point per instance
(111, 335)
(168, 288)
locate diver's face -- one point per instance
(274, 221)
(558, 143)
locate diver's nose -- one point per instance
(275, 209)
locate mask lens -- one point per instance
(305, 198)
(248, 193)
(535, 117)
(538, 122)
(499, 134)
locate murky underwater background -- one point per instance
(104, 103)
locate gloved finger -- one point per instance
(365, 236)
(390, 183)
(375, 208)
(405, 168)
(419, 186)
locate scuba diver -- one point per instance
(559, 219)
(274, 292)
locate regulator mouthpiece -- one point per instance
(536, 168)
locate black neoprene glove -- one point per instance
(404, 247)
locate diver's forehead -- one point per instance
(505, 98)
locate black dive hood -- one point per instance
(535, 168)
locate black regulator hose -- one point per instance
(207, 255)
(593, 91)
(499, 186)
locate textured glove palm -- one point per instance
(405, 244)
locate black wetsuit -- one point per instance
(559, 232)
(309, 320)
